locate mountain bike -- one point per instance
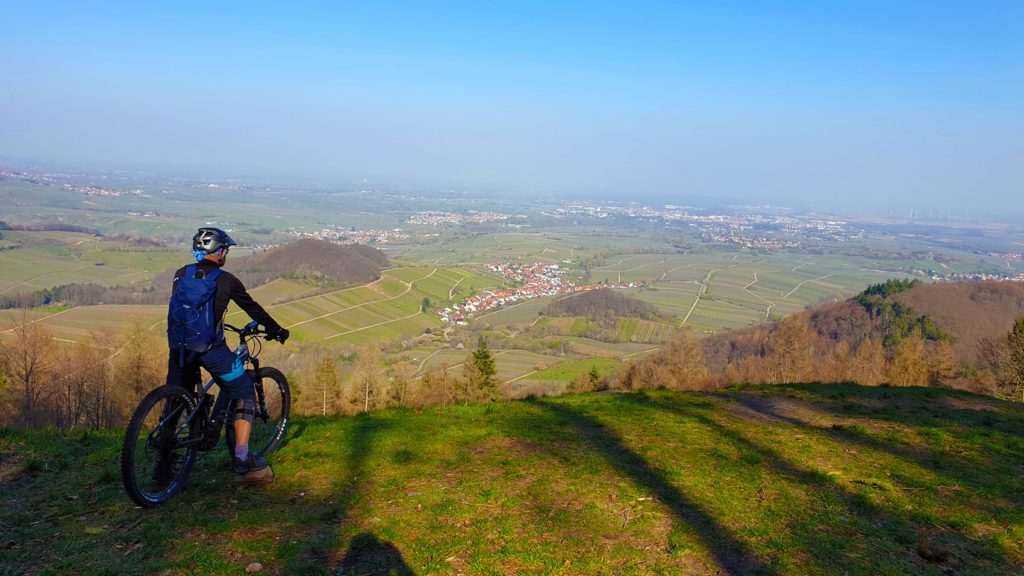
(172, 426)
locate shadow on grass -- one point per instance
(59, 517)
(333, 510)
(996, 471)
(732, 555)
(368, 556)
(881, 525)
(297, 429)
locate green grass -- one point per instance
(807, 479)
(48, 259)
(567, 371)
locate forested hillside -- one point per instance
(600, 305)
(897, 332)
(318, 259)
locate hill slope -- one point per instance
(601, 305)
(308, 258)
(967, 312)
(802, 479)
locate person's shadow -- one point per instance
(368, 556)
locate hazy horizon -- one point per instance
(909, 106)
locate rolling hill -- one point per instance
(962, 314)
(603, 304)
(347, 264)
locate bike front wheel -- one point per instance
(154, 463)
(273, 407)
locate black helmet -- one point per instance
(209, 240)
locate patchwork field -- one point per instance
(85, 324)
(388, 308)
(712, 293)
(556, 245)
(47, 259)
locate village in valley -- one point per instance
(533, 281)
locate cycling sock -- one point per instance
(241, 451)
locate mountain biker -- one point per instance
(210, 248)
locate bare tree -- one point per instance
(28, 361)
(943, 364)
(909, 367)
(869, 366)
(400, 377)
(791, 351)
(685, 363)
(367, 375)
(326, 380)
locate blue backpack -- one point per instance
(190, 316)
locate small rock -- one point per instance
(254, 568)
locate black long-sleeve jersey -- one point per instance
(230, 288)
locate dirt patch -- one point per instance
(971, 404)
(10, 468)
(776, 410)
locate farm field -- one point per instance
(553, 246)
(570, 369)
(705, 293)
(713, 293)
(386, 309)
(48, 259)
(78, 325)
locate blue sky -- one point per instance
(917, 104)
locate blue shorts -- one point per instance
(227, 369)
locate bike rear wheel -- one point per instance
(273, 407)
(154, 465)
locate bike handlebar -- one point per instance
(247, 330)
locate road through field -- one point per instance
(767, 310)
(797, 287)
(420, 377)
(38, 320)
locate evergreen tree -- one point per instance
(486, 386)
(1015, 344)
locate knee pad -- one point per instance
(244, 409)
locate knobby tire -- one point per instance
(268, 428)
(146, 443)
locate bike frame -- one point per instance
(243, 352)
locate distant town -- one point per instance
(533, 281)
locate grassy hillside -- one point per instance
(787, 480)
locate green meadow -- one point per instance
(790, 480)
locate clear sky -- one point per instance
(820, 103)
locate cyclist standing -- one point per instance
(196, 338)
